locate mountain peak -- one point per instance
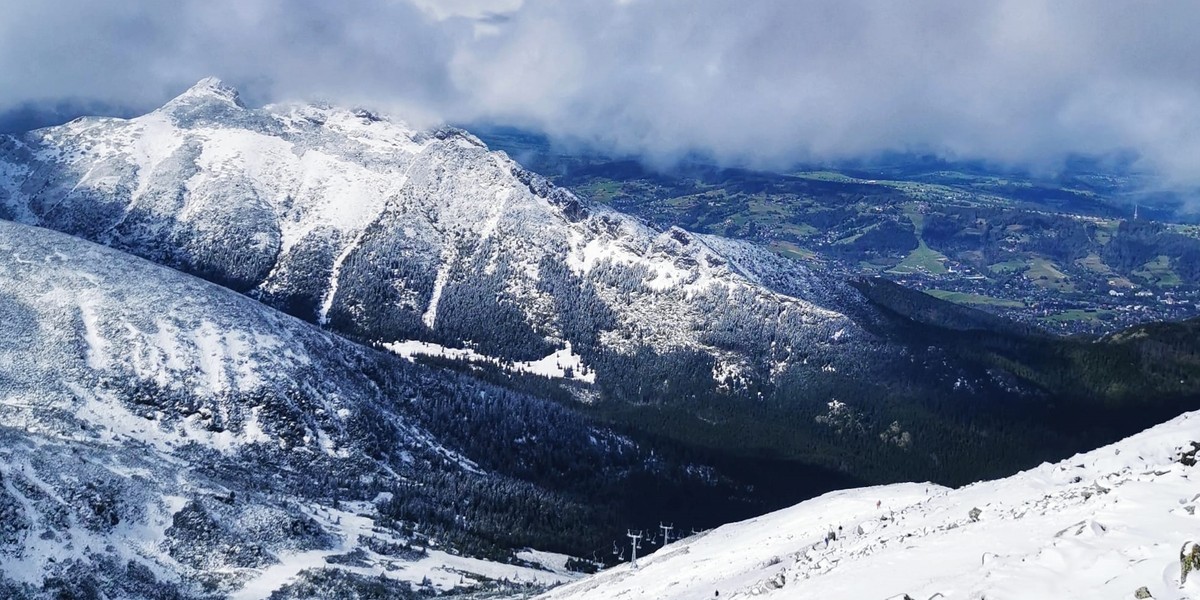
(210, 88)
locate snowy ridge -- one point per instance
(1098, 525)
(361, 224)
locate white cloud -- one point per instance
(769, 82)
(469, 9)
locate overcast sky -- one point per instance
(764, 82)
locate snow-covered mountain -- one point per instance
(392, 235)
(170, 436)
(163, 437)
(1104, 524)
(427, 244)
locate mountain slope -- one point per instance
(426, 243)
(165, 437)
(381, 232)
(1100, 524)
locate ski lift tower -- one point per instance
(635, 538)
(666, 532)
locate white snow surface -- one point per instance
(443, 571)
(1098, 525)
(561, 364)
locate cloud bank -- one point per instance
(772, 82)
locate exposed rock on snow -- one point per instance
(1189, 560)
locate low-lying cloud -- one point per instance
(771, 83)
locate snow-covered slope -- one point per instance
(1098, 525)
(163, 437)
(391, 235)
